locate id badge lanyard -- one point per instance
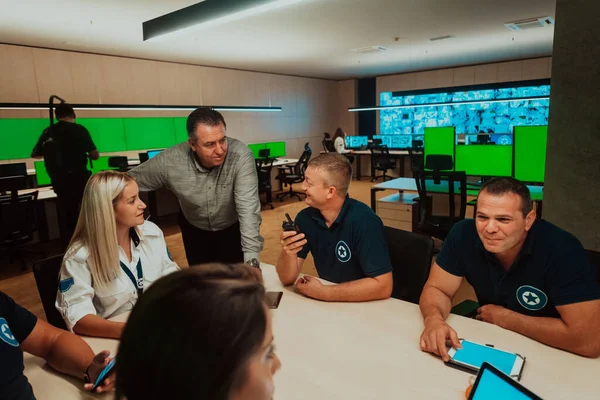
(139, 283)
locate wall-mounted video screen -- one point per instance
(489, 110)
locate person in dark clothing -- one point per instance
(65, 147)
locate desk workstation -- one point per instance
(367, 351)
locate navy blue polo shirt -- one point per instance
(353, 247)
(552, 269)
(16, 323)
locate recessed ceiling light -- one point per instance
(441, 38)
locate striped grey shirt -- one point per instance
(214, 199)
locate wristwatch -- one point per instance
(86, 375)
(253, 263)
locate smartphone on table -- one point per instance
(472, 355)
(273, 299)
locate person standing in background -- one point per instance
(215, 180)
(65, 147)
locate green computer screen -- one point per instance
(41, 175)
(181, 134)
(277, 149)
(484, 160)
(149, 133)
(255, 147)
(18, 136)
(108, 134)
(439, 141)
(530, 153)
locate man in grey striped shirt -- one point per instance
(214, 178)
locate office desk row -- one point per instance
(367, 351)
(408, 185)
(359, 154)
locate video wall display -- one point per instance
(497, 118)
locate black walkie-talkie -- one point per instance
(289, 225)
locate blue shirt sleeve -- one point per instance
(572, 276)
(371, 247)
(450, 259)
(303, 221)
(20, 320)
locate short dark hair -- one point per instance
(192, 334)
(502, 185)
(338, 169)
(64, 110)
(203, 116)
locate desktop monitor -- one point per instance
(41, 175)
(385, 140)
(530, 153)
(395, 141)
(15, 169)
(357, 142)
(484, 161)
(153, 153)
(439, 140)
(277, 149)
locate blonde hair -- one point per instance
(97, 228)
(337, 170)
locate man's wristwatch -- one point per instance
(86, 375)
(253, 263)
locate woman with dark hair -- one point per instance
(202, 333)
(339, 142)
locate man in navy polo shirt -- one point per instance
(64, 351)
(345, 237)
(529, 276)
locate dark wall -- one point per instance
(572, 182)
(367, 97)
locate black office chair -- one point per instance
(411, 255)
(438, 224)
(46, 273)
(263, 170)
(381, 161)
(417, 160)
(143, 157)
(119, 162)
(294, 174)
(327, 144)
(17, 224)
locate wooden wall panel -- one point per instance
(18, 81)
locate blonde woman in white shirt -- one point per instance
(113, 256)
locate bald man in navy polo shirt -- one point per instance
(529, 276)
(345, 237)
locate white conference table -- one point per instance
(369, 351)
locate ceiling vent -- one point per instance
(370, 49)
(530, 23)
(435, 39)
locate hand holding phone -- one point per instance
(289, 225)
(292, 240)
(104, 374)
(472, 355)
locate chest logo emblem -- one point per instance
(6, 335)
(342, 251)
(531, 298)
